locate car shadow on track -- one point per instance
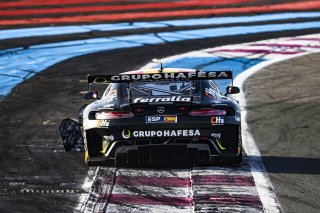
(290, 165)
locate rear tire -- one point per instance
(93, 147)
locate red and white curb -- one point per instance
(210, 189)
(178, 190)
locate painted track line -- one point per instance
(112, 8)
(62, 30)
(27, 3)
(294, 6)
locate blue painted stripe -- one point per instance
(183, 35)
(23, 64)
(51, 31)
(231, 31)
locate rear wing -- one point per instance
(163, 76)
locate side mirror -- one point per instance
(91, 95)
(233, 90)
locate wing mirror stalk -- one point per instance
(91, 95)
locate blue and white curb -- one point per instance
(18, 64)
(63, 30)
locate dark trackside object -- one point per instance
(70, 132)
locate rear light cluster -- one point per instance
(113, 115)
(208, 112)
(139, 110)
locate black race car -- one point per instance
(158, 116)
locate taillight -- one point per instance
(208, 112)
(113, 115)
(139, 110)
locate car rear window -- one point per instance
(162, 88)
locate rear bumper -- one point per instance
(166, 155)
(212, 145)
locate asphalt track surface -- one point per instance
(32, 157)
(284, 119)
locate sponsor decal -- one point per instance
(219, 144)
(161, 119)
(217, 120)
(107, 106)
(103, 123)
(217, 102)
(164, 133)
(237, 118)
(126, 134)
(210, 92)
(111, 95)
(164, 99)
(170, 76)
(216, 135)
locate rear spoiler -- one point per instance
(163, 76)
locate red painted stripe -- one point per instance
(103, 198)
(230, 180)
(153, 181)
(305, 39)
(150, 200)
(258, 51)
(118, 7)
(308, 5)
(51, 2)
(286, 45)
(226, 199)
(108, 180)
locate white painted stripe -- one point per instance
(231, 190)
(152, 191)
(243, 171)
(227, 209)
(94, 184)
(181, 173)
(117, 208)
